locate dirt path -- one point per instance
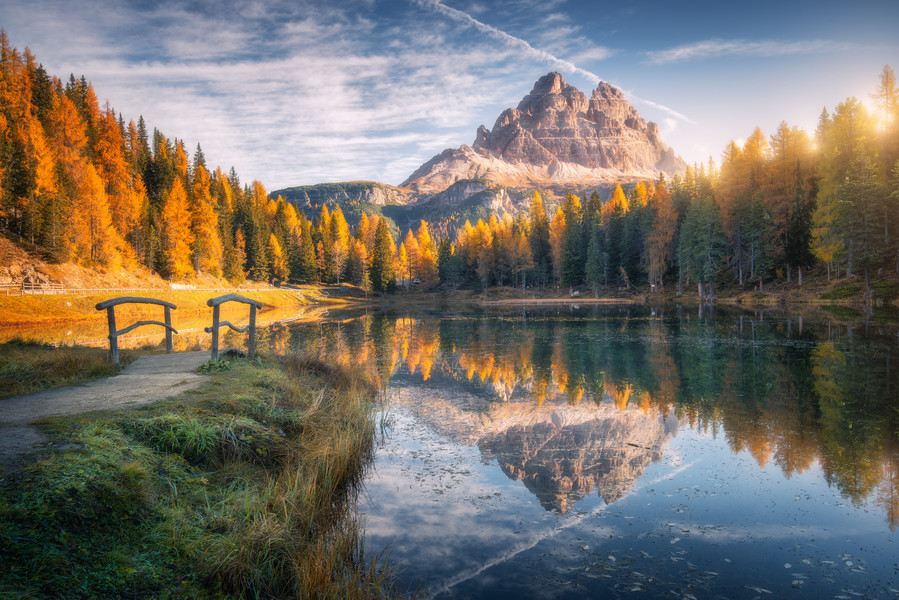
(145, 380)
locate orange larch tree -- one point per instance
(177, 238)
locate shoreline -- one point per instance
(29, 311)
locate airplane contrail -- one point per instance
(562, 64)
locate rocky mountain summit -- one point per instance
(556, 136)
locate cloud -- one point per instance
(511, 40)
(764, 48)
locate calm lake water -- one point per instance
(608, 451)
(626, 451)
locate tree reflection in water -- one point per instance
(789, 390)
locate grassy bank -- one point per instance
(243, 488)
(27, 367)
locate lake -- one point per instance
(612, 451)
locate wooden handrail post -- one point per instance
(252, 348)
(215, 303)
(215, 332)
(109, 307)
(113, 336)
(169, 345)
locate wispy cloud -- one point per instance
(286, 94)
(763, 48)
(509, 39)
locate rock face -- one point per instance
(496, 199)
(556, 135)
(369, 192)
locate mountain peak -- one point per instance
(557, 136)
(550, 84)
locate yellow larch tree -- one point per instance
(402, 266)
(617, 205)
(276, 257)
(206, 250)
(89, 229)
(423, 236)
(410, 244)
(557, 231)
(89, 234)
(181, 161)
(176, 234)
(340, 242)
(482, 251)
(114, 170)
(427, 259)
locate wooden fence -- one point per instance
(20, 289)
(215, 303)
(109, 307)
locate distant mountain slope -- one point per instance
(364, 192)
(556, 136)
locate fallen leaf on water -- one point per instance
(758, 589)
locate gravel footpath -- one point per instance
(145, 380)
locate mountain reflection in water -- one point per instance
(560, 452)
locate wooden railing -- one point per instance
(216, 303)
(18, 289)
(109, 307)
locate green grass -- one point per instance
(27, 367)
(841, 292)
(886, 290)
(244, 488)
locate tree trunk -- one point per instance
(789, 274)
(849, 262)
(868, 292)
(701, 288)
(800, 275)
(752, 264)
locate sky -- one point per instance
(297, 92)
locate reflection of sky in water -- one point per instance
(701, 521)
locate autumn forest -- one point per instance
(79, 183)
